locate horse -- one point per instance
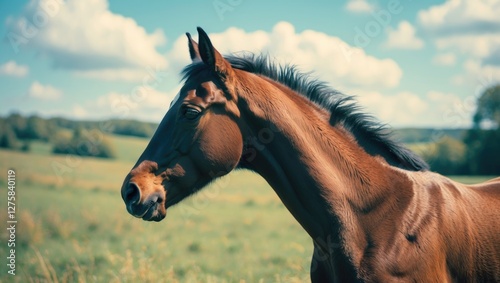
(373, 209)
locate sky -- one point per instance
(409, 63)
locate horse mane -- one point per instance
(375, 138)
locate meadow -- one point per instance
(73, 226)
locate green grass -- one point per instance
(78, 229)
(40, 148)
(128, 148)
(73, 226)
(471, 179)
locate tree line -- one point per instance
(68, 136)
(477, 151)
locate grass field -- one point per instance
(73, 226)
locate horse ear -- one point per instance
(193, 48)
(210, 56)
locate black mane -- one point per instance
(374, 137)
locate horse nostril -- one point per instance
(132, 194)
(159, 199)
(156, 198)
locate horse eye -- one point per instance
(191, 113)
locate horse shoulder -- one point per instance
(437, 238)
(415, 252)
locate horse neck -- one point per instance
(320, 173)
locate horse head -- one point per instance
(198, 140)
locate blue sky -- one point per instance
(410, 63)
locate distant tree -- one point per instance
(132, 128)
(59, 122)
(62, 143)
(483, 140)
(18, 124)
(31, 128)
(483, 151)
(447, 156)
(488, 108)
(83, 143)
(8, 137)
(106, 149)
(37, 128)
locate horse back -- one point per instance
(490, 188)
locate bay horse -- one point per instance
(373, 210)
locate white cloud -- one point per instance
(403, 37)
(143, 103)
(79, 112)
(329, 57)
(396, 110)
(450, 110)
(86, 35)
(445, 59)
(462, 16)
(135, 75)
(403, 109)
(144, 97)
(477, 45)
(476, 74)
(471, 27)
(11, 68)
(359, 6)
(44, 92)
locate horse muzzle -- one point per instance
(149, 207)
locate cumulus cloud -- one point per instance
(450, 110)
(445, 59)
(11, 68)
(142, 97)
(403, 109)
(44, 92)
(396, 110)
(328, 56)
(403, 37)
(79, 112)
(477, 45)
(114, 74)
(471, 27)
(87, 36)
(493, 58)
(462, 17)
(143, 103)
(477, 74)
(331, 59)
(359, 6)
